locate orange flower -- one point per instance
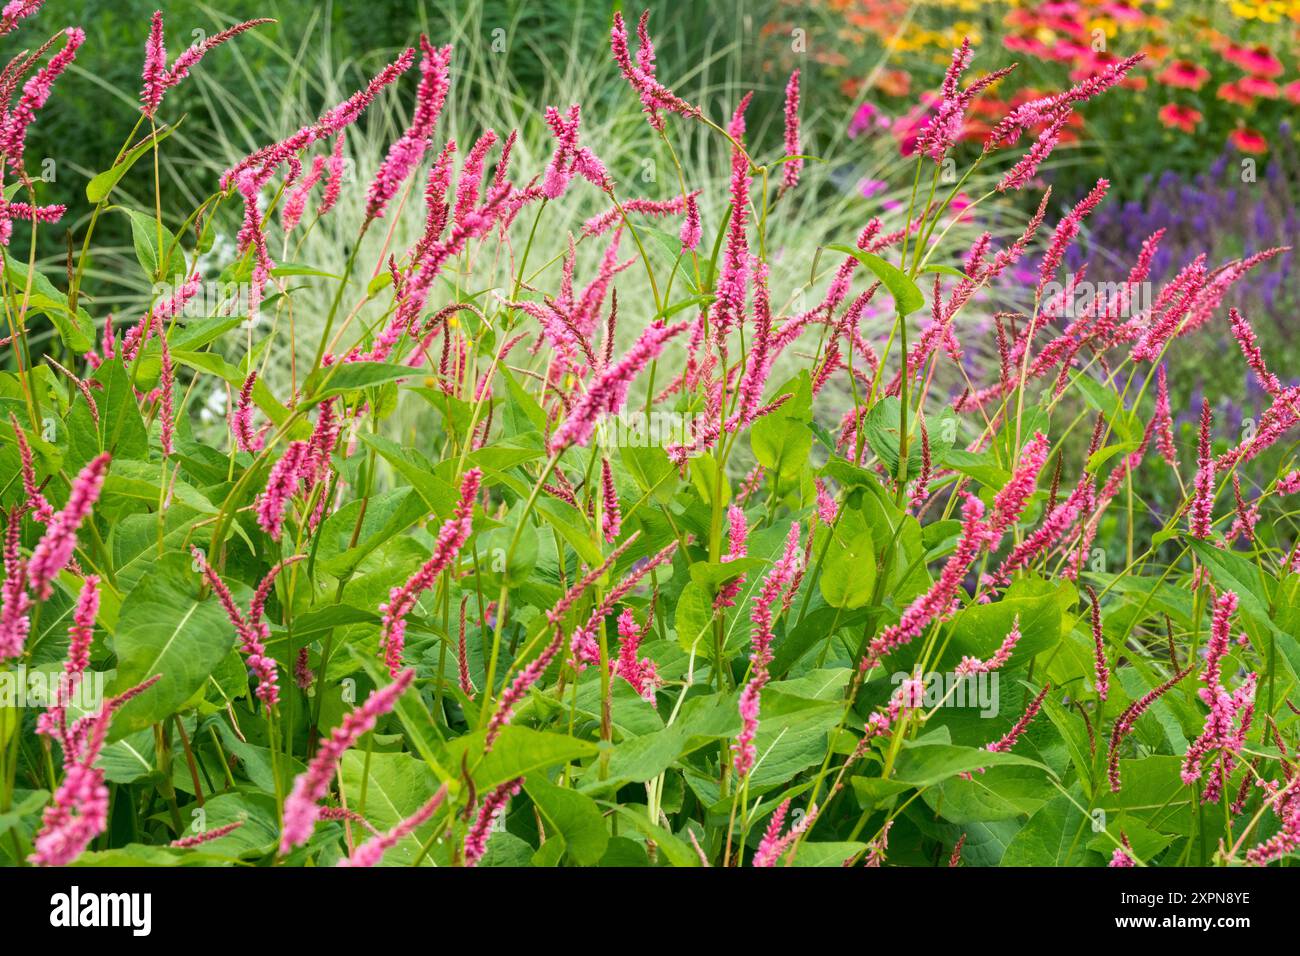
(1179, 117)
(1248, 140)
(894, 82)
(1184, 74)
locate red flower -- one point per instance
(1292, 91)
(1258, 86)
(1233, 93)
(1257, 60)
(1248, 140)
(1179, 117)
(1184, 74)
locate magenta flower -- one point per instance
(36, 91)
(55, 548)
(405, 154)
(241, 422)
(608, 392)
(610, 517)
(936, 603)
(155, 67)
(310, 787)
(493, 805)
(281, 486)
(207, 836)
(1124, 723)
(691, 231)
(655, 97)
(973, 665)
(1202, 509)
(454, 533)
(778, 580)
(373, 850)
(36, 502)
(790, 171)
(14, 601)
(1011, 499)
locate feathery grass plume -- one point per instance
(452, 536)
(310, 787)
(476, 839)
(54, 550)
(1201, 513)
(372, 851)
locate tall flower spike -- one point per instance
(373, 850)
(1164, 421)
(608, 392)
(155, 67)
(14, 602)
(1099, 647)
(301, 808)
(281, 485)
(36, 502)
(790, 170)
(407, 152)
(610, 518)
(493, 805)
(1202, 509)
(55, 548)
(451, 538)
(36, 91)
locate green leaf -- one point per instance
(100, 185)
(165, 628)
(848, 575)
(923, 765)
(574, 815)
(907, 297)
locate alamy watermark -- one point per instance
(950, 689)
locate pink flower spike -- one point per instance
(14, 602)
(281, 485)
(208, 836)
(55, 548)
(301, 806)
(36, 91)
(1202, 510)
(610, 518)
(1010, 500)
(1099, 647)
(493, 805)
(790, 170)
(241, 422)
(973, 665)
(1245, 337)
(691, 231)
(155, 67)
(373, 850)
(609, 391)
(36, 502)
(454, 533)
